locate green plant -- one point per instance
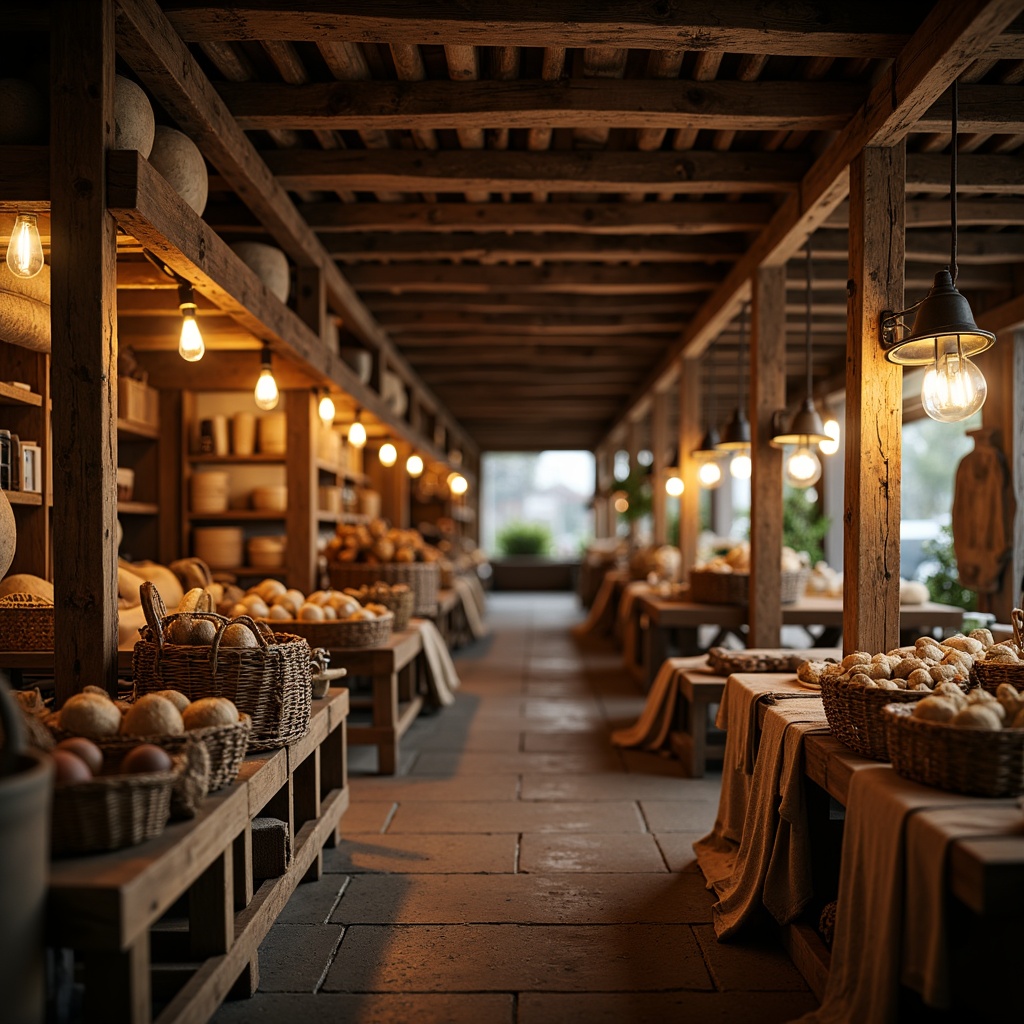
(943, 585)
(637, 488)
(524, 539)
(803, 526)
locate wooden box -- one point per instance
(138, 402)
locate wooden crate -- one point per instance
(137, 402)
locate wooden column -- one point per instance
(659, 446)
(1003, 411)
(874, 404)
(84, 353)
(303, 425)
(633, 448)
(311, 300)
(689, 438)
(767, 395)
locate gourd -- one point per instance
(25, 583)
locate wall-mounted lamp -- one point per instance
(265, 392)
(191, 346)
(357, 432)
(25, 249)
(388, 454)
(944, 332)
(326, 410)
(414, 466)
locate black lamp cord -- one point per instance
(953, 269)
(807, 326)
(739, 353)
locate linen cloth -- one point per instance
(601, 609)
(471, 594)
(650, 732)
(441, 677)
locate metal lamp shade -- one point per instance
(944, 312)
(806, 428)
(736, 435)
(708, 446)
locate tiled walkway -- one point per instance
(520, 870)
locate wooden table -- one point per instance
(700, 688)
(112, 908)
(396, 697)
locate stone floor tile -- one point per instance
(516, 816)
(571, 688)
(392, 1008)
(565, 742)
(436, 762)
(677, 849)
(679, 815)
(604, 786)
(366, 816)
(621, 853)
(523, 958)
(663, 1007)
(440, 854)
(312, 902)
(294, 957)
(474, 740)
(757, 965)
(422, 787)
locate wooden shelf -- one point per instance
(18, 396)
(24, 497)
(246, 515)
(129, 428)
(257, 457)
(249, 570)
(137, 508)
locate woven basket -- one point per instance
(111, 812)
(272, 682)
(980, 762)
(734, 587)
(342, 633)
(990, 676)
(401, 605)
(422, 578)
(26, 623)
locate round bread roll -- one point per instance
(953, 692)
(855, 659)
(238, 634)
(944, 673)
(979, 695)
(935, 709)
(1018, 721)
(878, 670)
(919, 677)
(977, 716)
(964, 643)
(269, 589)
(153, 715)
(311, 613)
(191, 631)
(176, 697)
(891, 684)
(908, 665)
(89, 714)
(329, 613)
(983, 636)
(279, 612)
(201, 714)
(932, 653)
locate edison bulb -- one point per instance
(191, 346)
(621, 505)
(266, 393)
(740, 467)
(388, 454)
(674, 487)
(414, 466)
(25, 249)
(357, 435)
(803, 467)
(831, 446)
(953, 389)
(458, 484)
(710, 474)
(326, 410)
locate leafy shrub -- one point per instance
(803, 526)
(943, 585)
(524, 539)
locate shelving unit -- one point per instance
(139, 448)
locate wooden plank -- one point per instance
(730, 25)
(84, 351)
(691, 173)
(566, 103)
(976, 173)
(874, 403)
(977, 248)
(118, 989)
(303, 426)
(980, 108)
(809, 954)
(515, 303)
(767, 394)
(211, 906)
(402, 323)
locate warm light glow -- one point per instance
(266, 393)
(803, 467)
(740, 468)
(414, 466)
(388, 454)
(710, 474)
(357, 434)
(954, 388)
(191, 346)
(832, 429)
(458, 484)
(25, 249)
(621, 505)
(326, 409)
(674, 487)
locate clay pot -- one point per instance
(25, 309)
(268, 263)
(8, 534)
(178, 159)
(23, 119)
(359, 360)
(134, 127)
(392, 390)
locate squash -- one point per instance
(25, 583)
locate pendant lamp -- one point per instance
(736, 435)
(944, 332)
(707, 453)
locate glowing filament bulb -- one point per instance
(803, 467)
(266, 393)
(740, 467)
(414, 466)
(388, 454)
(458, 484)
(954, 388)
(831, 446)
(191, 346)
(25, 249)
(326, 409)
(710, 474)
(357, 434)
(674, 487)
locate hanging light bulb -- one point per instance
(25, 249)
(674, 487)
(803, 467)
(954, 388)
(735, 438)
(710, 474)
(414, 466)
(740, 468)
(831, 427)
(458, 484)
(326, 409)
(357, 432)
(191, 346)
(621, 502)
(266, 393)
(388, 454)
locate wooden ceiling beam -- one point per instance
(692, 173)
(868, 29)
(996, 109)
(509, 303)
(977, 173)
(582, 339)
(401, 325)
(566, 103)
(974, 248)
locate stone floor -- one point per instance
(520, 870)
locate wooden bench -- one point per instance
(699, 688)
(113, 909)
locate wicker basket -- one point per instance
(979, 762)
(336, 633)
(401, 605)
(422, 578)
(111, 812)
(734, 587)
(272, 682)
(990, 676)
(26, 623)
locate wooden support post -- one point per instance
(211, 909)
(767, 395)
(659, 448)
(117, 984)
(241, 871)
(84, 347)
(311, 300)
(689, 439)
(874, 404)
(303, 425)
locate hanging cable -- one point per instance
(807, 327)
(953, 269)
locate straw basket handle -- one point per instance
(1017, 619)
(154, 609)
(244, 620)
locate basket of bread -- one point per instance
(1003, 662)
(725, 578)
